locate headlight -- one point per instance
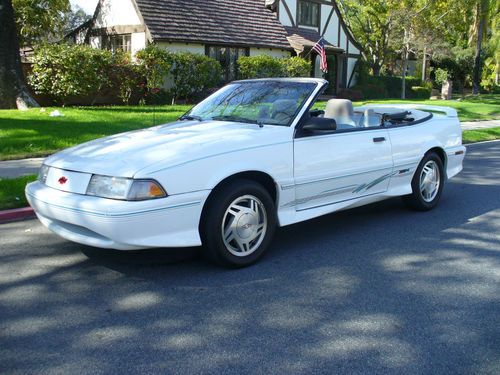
(124, 188)
(42, 173)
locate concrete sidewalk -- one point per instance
(472, 125)
(18, 168)
(23, 167)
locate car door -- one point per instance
(341, 166)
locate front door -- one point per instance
(341, 166)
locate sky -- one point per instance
(87, 5)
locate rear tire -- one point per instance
(427, 184)
(238, 224)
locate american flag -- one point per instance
(319, 47)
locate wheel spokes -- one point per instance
(244, 225)
(429, 181)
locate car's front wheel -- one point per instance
(238, 224)
(427, 183)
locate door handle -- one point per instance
(379, 139)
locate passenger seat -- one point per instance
(341, 111)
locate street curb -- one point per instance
(481, 142)
(17, 214)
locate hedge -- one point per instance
(383, 87)
(68, 72)
(62, 71)
(263, 66)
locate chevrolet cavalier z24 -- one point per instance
(254, 156)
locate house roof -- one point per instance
(300, 39)
(242, 22)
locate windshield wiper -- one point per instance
(237, 119)
(190, 117)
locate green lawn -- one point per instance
(34, 133)
(12, 192)
(470, 136)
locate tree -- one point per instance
(40, 20)
(24, 22)
(13, 90)
(481, 17)
(372, 22)
(74, 18)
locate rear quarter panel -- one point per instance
(411, 143)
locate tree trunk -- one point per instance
(376, 67)
(424, 64)
(13, 90)
(405, 55)
(477, 60)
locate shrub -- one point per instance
(419, 92)
(156, 64)
(264, 66)
(371, 91)
(351, 94)
(441, 76)
(296, 67)
(261, 66)
(193, 73)
(127, 76)
(62, 71)
(381, 87)
(459, 67)
(190, 73)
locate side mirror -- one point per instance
(319, 125)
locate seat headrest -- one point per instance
(339, 108)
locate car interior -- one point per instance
(339, 115)
(342, 111)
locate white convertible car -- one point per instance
(253, 156)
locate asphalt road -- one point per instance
(375, 290)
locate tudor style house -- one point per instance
(228, 29)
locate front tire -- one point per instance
(238, 224)
(427, 184)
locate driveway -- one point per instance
(375, 290)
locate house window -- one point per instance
(308, 13)
(116, 43)
(227, 57)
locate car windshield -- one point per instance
(260, 102)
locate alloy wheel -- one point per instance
(244, 225)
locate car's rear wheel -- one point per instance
(427, 183)
(238, 224)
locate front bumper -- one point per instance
(168, 222)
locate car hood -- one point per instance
(167, 145)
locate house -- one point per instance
(228, 29)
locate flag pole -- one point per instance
(308, 53)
